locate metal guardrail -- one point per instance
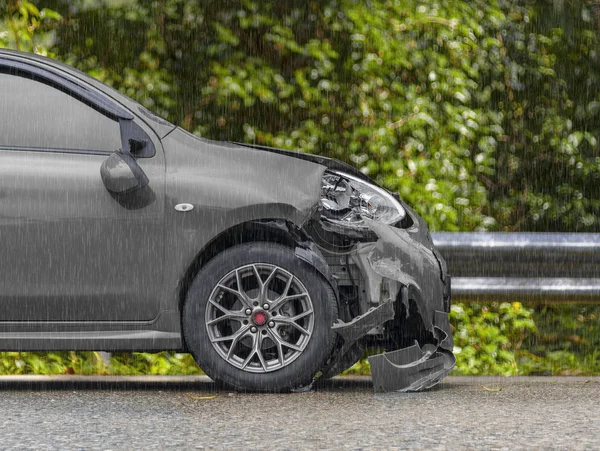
(527, 267)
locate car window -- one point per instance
(37, 115)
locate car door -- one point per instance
(71, 251)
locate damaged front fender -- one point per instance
(406, 303)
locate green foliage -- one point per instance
(91, 363)
(567, 342)
(548, 163)
(24, 26)
(49, 363)
(162, 363)
(488, 338)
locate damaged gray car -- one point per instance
(123, 232)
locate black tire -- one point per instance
(317, 348)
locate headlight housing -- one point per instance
(346, 200)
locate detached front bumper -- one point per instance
(413, 368)
(406, 281)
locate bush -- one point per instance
(91, 363)
(488, 338)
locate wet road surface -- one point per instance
(109, 413)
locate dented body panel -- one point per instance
(402, 265)
(258, 186)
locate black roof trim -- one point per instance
(79, 91)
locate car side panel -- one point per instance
(228, 185)
(71, 252)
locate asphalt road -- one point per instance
(107, 413)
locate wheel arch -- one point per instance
(269, 230)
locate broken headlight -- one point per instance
(347, 200)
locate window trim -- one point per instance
(85, 95)
(80, 92)
(54, 150)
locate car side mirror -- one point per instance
(121, 174)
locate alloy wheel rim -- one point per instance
(259, 317)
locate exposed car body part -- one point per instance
(401, 264)
(344, 360)
(122, 231)
(347, 201)
(359, 326)
(410, 369)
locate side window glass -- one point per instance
(36, 115)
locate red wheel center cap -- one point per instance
(259, 318)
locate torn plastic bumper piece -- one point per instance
(411, 261)
(359, 326)
(401, 264)
(411, 369)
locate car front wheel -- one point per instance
(258, 318)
